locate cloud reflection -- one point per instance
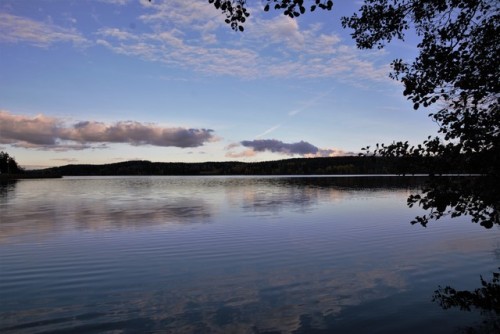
(241, 274)
(49, 206)
(93, 205)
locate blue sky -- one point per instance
(86, 81)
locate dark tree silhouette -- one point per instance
(8, 164)
(457, 69)
(476, 197)
(236, 12)
(486, 299)
(458, 66)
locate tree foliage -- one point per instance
(8, 164)
(457, 67)
(237, 13)
(457, 70)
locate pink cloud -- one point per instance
(301, 148)
(49, 133)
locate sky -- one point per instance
(103, 81)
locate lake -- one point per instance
(231, 255)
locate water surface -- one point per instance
(230, 254)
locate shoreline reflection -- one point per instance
(222, 254)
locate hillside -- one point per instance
(298, 166)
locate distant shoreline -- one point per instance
(346, 165)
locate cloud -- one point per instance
(170, 47)
(268, 131)
(16, 29)
(277, 146)
(309, 103)
(66, 160)
(196, 14)
(244, 154)
(116, 2)
(120, 35)
(281, 29)
(184, 34)
(301, 148)
(322, 153)
(206, 56)
(49, 133)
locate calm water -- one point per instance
(230, 255)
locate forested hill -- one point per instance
(298, 166)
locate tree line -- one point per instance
(8, 164)
(346, 165)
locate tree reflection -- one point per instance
(486, 299)
(476, 197)
(6, 186)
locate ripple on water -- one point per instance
(227, 254)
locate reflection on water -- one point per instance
(42, 206)
(229, 254)
(6, 188)
(486, 299)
